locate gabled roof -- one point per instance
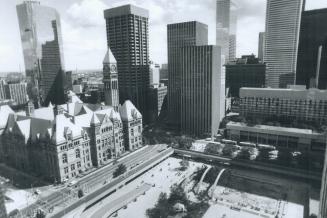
(109, 58)
(24, 127)
(129, 112)
(5, 110)
(94, 119)
(63, 124)
(46, 113)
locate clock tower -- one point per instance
(110, 80)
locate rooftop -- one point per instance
(125, 10)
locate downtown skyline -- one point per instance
(89, 31)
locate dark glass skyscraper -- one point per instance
(40, 31)
(178, 35)
(313, 34)
(128, 39)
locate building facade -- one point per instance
(128, 39)
(247, 71)
(291, 104)
(157, 95)
(261, 45)
(313, 35)
(202, 90)
(281, 137)
(164, 71)
(154, 73)
(40, 31)
(3, 211)
(61, 142)
(323, 191)
(283, 20)
(132, 126)
(110, 80)
(17, 92)
(190, 33)
(2, 89)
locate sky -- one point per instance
(84, 33)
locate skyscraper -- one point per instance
(179, 35)
(127, 37)
(282, 36)
(313, 35)
(232, 35)
(323, 192)
(226, 26)
(110, 80)
(202, 90)
(261, 45)
(40, 31)
(222, 26)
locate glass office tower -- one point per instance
(40, 31)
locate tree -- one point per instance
(161, 209)
(40, 214)
(184, 164)
(177, 195)
(121, 169)
(80, 193)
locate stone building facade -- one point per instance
(60, 142)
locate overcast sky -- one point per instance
(83, 27)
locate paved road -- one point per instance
(298, 173)
(92, 181)
(120, 180)
(120, 202)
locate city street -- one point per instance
(62, 198)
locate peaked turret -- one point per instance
(109, 58)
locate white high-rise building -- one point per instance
(261, 45)
(282, 37)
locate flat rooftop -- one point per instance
(290, 93)
(125, 10)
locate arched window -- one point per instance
(64, 158)
(78, 153)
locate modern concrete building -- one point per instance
(191, 33)
(61, 142)
(295, 103)
(157, 95)
(283, 20)
(323, 191)
(202, 90)
(128, 39)
(40, 31)
(261, 45)
(132, 126)
(312, 54)
(164, 71)
(110, 80)
(154, 73)
(282, 137)
(247, 71)
(17, 92)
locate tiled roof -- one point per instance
(129, 112)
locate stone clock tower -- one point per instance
(110, 80)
